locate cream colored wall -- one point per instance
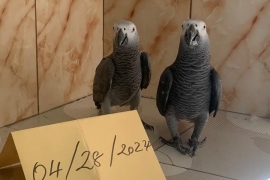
(18, 85)
(240, 39)
(69, 41)
(48, 54)
(239, 35)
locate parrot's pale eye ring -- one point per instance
(133, 29)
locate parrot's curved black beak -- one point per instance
(192, 36)
(121, 37)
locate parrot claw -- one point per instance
(147, 126)
(194, 146)
(177, 144)
(164, 141)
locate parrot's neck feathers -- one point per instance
(191, 56)
(127, 52)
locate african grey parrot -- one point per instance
(120, 77)
(190, 88)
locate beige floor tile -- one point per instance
(4, 132)
(171, 161)
(195, 175)
(232, 151)
(50, 117)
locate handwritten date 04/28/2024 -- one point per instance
(126, 151)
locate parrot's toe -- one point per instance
(147, 126)
(169, 143)
(194, 146)
(177, 144)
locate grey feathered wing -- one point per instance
(163, 91)
(146, 69)
(216, 92)
(102, 80)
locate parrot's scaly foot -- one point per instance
(194, 146)
(177, 144)
(147, 126)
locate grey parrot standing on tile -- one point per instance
(189, 88)
(121, 76)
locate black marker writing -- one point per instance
(83, 166)
(123, 149)
(57, 170)
(35, 170)
(138, 145)
(96, 156)
(146, 145)
(130, 149)
(72, 159)
(112, 150)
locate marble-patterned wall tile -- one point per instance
(18, 76)
(159, 26)
(69, 40)
(240, 48)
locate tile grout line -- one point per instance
(103, 45)
(186, 130)
(190, 8)
(36, 57)
(42, 113)
(166, 155)
(198, 171)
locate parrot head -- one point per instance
(194, 32)
(125, 34)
